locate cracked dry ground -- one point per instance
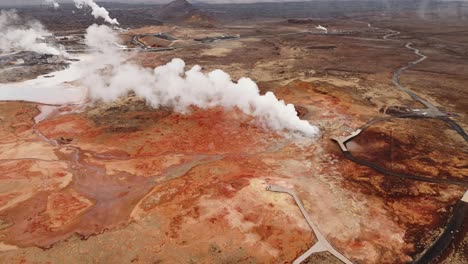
(125, 183)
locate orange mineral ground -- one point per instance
(121, 182)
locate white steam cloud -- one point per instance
(109, 76)
(97, 11)
(52, 3)
(320, 27)
(17, 34)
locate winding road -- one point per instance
(458, 219)
(431, 109)
(454, 226)
(429, 112)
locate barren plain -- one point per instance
(122, 182)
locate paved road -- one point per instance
(431, 110)
(459, 217)
(143, 47)
(453, 228)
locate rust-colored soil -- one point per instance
(124, 183)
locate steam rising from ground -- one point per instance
(97, 11)
(320, 27)
(17, 34)
(109, 76)
(52, 3)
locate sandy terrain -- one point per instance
(121, 182)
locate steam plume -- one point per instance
(17, 34)
(97, 11)
(52, 3)
(110, 77)
(320, 27)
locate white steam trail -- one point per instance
(109, 77)
(97, 11)
(320, 27)
(24, 36)
(52, 3)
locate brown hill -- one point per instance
(182, 12)
(175, 10)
